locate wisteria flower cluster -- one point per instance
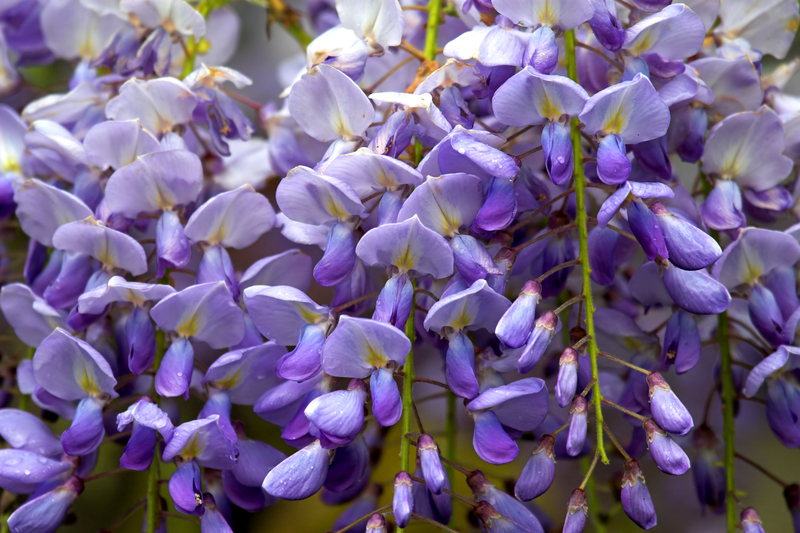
(543, 213)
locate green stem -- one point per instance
(583, 236)
(591, 498)
(728, 429)
(152, 474)
(408, 391)
(152, 494)
(450, 433)
(728, 393)
(434, 17)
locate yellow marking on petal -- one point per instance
(405, 260)
(335, 209)
(643, 43)
(375, 357)
(87, 382)
(548, 108)
(188, 327)
(465, 318)
(191, 449)
(309, 316)
(616, 122)
(547, 14)
(792, 25)
(229, 382)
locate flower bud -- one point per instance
(667, 409)
(576, 435)
(429, 460)
(338, 416)
(494, 522)
(216, 265)
(212, 520)
(576, 512)
(86, 431)
(339, 259)
(460, 366)
(538, 473)
(172, 247)
(709, 476)
(644, 226)
(65, 289)
(387, 405)
(403, 500)
(557, 149)
(499, 208)
(567, 381)
(472, 259)
(515, 326)
(504, 504)
(613, 165)
(539, 340)
(186, 490)
(395, 301)
(635, 497)
(174, 374)
(376, 524)
(303, 362)
(542, 51)
(681, 343)
(141, 339)
(45, 513)
(607, 27)
(751, 523)
(300, 475)
(668, 456)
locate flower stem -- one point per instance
(591, 499)
(408, 390)
(728, 431)
(583, 237)
(434, 17)
(152, 494)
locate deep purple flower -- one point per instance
(636, 501)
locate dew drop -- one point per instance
(27, 472)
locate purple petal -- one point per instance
(156, 181)
(675, 32)
(186, 490)
(557, 149)
(292, 268)
(521, 405)
(445, 204)
(204, 441)
(118, 289)
(30, 316)
(722, 209)
(71, 369)
(747, 148)
(695, 291)
(23, 431)
(768, 366)
(460, 366)
(387, 406)
(328, 105)
(311, 198)
(407, 245)
(339, 259)
(116, 144)
(299, 476)
(204, 312)
(46, 512)
(86, 431)
(23, 470)
(547, 98)
(613, 165)
(233, 219)
(139, 450)
(471, 309)
(645, 227)
(158, 105)
(564, 15)
(358, 346)
(246, 374)
(631, 109)
(754, 254)
(491, 442)
(175, 371)
(42, 208)
(110, 247)
(281, 312)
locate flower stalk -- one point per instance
(583, 237)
